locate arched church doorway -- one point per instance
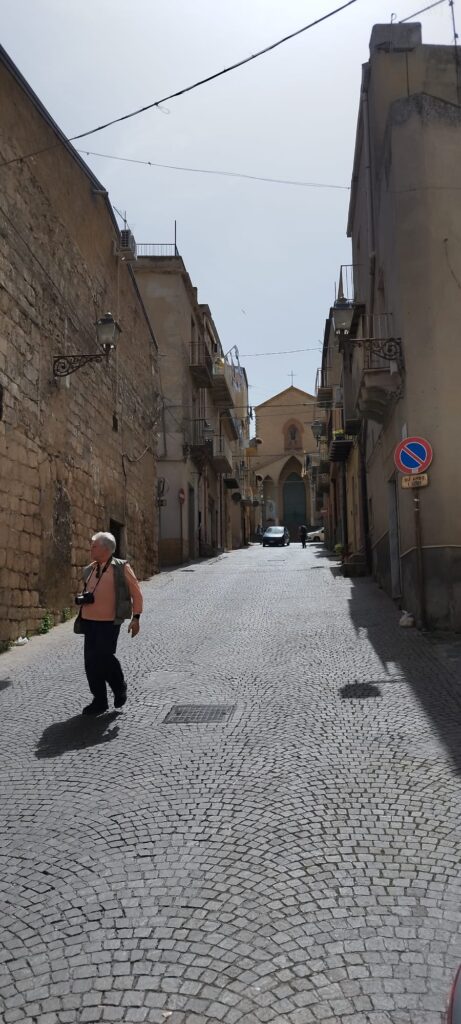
(294, 503)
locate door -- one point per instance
(118, 531)
(394, 538)
(191, 522)
(294, 504)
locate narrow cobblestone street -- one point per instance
(296, 862)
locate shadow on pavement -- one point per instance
(433, 674)
(359, 691)
(76, 733)
(410, 654)
(5, 683)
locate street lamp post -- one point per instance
(107, 331)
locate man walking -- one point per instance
(111, 594)
(303, 535)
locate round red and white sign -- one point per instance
(413, 455)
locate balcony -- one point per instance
(235, 427)
(221, 383)
(199, 440)
(352, 424)
(377, 390)
(348, 284)
(232, 479)
(201, 363)
(375, 380)
(323, 391)
(222, 455)
(382, 373)
(340, 446)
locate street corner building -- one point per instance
(77, 434)
(391, 360)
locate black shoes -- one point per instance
(120, 699)
(95, 709)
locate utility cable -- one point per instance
(204, 170)
(422, 11)
(189, 88)
(286, 352)
(217, 74)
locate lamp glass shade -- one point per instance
(317, 428)
(107, 330)
(343, 315)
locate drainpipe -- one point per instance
(369, 186)
(370, 303)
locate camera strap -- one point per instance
(99, 578)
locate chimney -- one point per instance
(395, 37)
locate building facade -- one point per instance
(77, 453)
(396, 322)
(205, 492)
(283, 440)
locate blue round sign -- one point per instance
(413, 455)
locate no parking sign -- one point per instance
(413, 455)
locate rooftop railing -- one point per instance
(157, 249)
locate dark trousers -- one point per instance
(101, 665)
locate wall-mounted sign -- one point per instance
(414, 482)
(413, 455)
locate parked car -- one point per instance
(318, 535)
(276, 536)
(454, 1009)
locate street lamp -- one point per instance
(318, 428)
(343, 315)
(343, 311)
(107, 332)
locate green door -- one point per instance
(294, 504)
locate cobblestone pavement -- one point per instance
(295, 863)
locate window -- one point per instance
(292, 437)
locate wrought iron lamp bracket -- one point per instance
(389, 349)
(65, 365)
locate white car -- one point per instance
(318, 535)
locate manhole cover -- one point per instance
(191, 714)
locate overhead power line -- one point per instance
(188, 88)
(422, 11)
(211, 78)
(286, 352)
(204, 170)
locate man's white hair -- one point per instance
(106, 539)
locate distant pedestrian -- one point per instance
(259, 533)
(111, 593)
(303, 535)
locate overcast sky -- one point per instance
(265, 257)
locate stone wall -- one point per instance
(75, 453)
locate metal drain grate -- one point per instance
(192, 714)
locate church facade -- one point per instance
(284, 438)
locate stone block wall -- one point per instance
(78, 452)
